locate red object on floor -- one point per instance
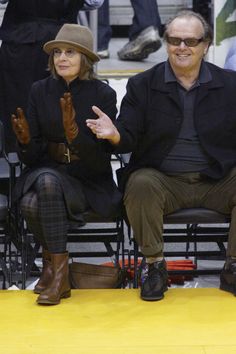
(182, 264)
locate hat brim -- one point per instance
(49, 46)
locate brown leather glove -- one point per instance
(68, 116)
(20, 127)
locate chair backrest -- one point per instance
(10, 168)
(4, 166)
(125, 158)
(2, 139)
(6, 212)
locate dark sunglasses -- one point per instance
(189, 42)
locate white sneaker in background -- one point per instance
(103, 54)
(147, 42)
(13, 287)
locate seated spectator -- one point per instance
(178, 120)
(68, 169)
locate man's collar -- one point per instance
(204, 74)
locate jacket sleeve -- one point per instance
(32, 153)
(131, 120)
(92, 151)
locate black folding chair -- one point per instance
(106, 231)
(9, 168)
(193, 227)
(101, 238)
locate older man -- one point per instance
(179, 121)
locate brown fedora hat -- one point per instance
(77, 36)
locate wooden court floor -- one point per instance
(187, 321)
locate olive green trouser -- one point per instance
(151, 194)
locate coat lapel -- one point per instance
(170, 89)
(206, 88)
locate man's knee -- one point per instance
(142, 182)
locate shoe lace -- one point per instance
(157, 272)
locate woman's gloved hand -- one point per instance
(68, 116)
(20, 127)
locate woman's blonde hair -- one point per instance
(86, 68)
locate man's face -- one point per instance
(184, 58)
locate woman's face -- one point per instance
(67, 62)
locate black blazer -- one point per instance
(26, 26)
(93, 169)
(151, 116)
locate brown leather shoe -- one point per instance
(46, 276)
(59, 287)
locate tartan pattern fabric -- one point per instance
(44, 210)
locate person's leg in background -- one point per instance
(104, 30)
(144, 33)
(146, 14)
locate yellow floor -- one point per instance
(187, 321)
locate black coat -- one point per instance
(26, 26)
(93, 170)
(151, 116)
(30, 21)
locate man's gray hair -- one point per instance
(208, 33)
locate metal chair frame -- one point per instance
(194, 226)
(9, 168)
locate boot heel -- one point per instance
(59, 286)
(230, 287)
(66, 294)
(227, 287)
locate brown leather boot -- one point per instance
(59, 287)
(46, 276)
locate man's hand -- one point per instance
(68, 116)
(103, 127)
(20, 127)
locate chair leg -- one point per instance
(136, 271)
